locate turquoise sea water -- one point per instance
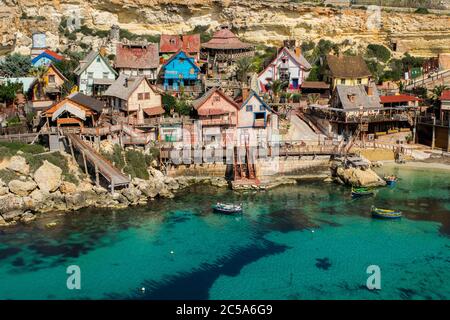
(310, 241)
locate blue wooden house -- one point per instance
(181, 71)
(45, 58)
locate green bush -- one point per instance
(7, 175)
(378, 51)
(136, 164)
(12, 148)
(422, 11)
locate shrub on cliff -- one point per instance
(379, 52)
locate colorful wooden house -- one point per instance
(346, 70)
(224, 49)
(76, 109)
(47, 90)
(135, 97)
(255, 113)
(257, 122)
(46, 58)
(94, 74)
(181, 72)
(290, 66)
(137, 59)
(217, 114)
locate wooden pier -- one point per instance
(101, 165)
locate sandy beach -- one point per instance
(429, 164)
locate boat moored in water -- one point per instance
(391, 180)
(361, 192)
(386, 214)
(227, 208)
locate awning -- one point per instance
(154, 111)
(315, 85)
(71, 109)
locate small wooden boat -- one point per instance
(361, 192)
(390, 180)
(227, 208)
(386, 214)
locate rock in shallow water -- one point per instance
(359, 177)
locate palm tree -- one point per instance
(277, 86)
(39, 73)
(244, 66)
(437, 91)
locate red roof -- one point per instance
(153, 111)
(398, 98)
(169, 43)
(445, 95)
(191, 43)
(172, 43)
(225, 39)
(53, 54)
(137, 57)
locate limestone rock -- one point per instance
(132, 194)
(3, 191)
(22, 188)
(10, 202)
(48, 177)
(3, 222)
(38, 195)
(12, 215)
(359, 177)
(171, 183)
(156, 174)
(67, 187)
(18, 164)
(27, 217)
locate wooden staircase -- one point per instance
(244, 169)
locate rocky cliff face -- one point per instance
(267, 22)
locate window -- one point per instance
(141, 71)
(51, 78)
(342, 81)
(140, 96)
(216, 99)
(249, 108)
(105, 75)
(359, 80)
(147, 96)
(98, 59)
(261, 108)
(90, 75)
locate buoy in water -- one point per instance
(143, 289)
(171, 252)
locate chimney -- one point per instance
(369, 90)
(102, 51)
(298, 51)
(245, 93)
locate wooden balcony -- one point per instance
(218, 122)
